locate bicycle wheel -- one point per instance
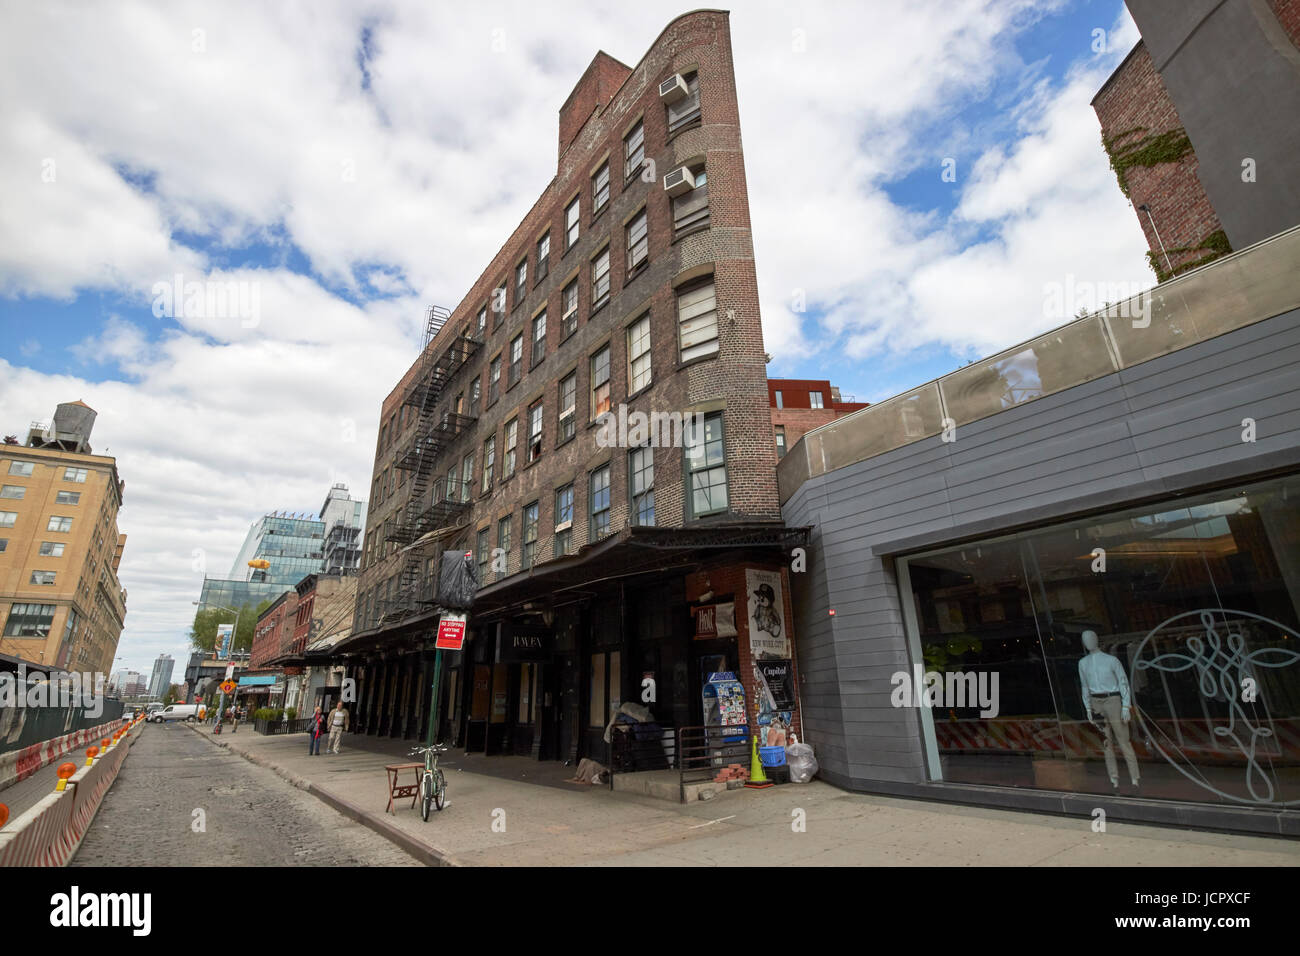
(426, 795)
(440, 798)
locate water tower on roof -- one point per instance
(70, 429)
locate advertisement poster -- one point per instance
(724, 702)
(225, 634)
(765, 610)
(774, 681)
(715, 620)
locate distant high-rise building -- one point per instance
(343, 518)
(161, 680)
(60, 598)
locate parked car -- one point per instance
(188, 712)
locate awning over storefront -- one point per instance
(258, 680)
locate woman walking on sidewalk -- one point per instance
(315, 730)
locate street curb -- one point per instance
(426, 853)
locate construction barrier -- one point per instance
(49, 833)
(20, 764)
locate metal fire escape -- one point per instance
(432, 503)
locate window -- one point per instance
(521, 281)
(780, 399)
(534, 432)
(494, 379)
(489, 461)
(503, 537)
(59, 524)
(641, 484)
(75, 474)
(70, 625)
(67, 498)
(600, 383)
(815, 398)
(467, 477)
(543, 257)
(599, 500)
(42, 577)
(4, 545)
(563, 520)
(568, 406)
(530, 536)
(571, 225)
(7, 518)
(512, 439)
(475, 393)
(686, 110)
(539, 337)
(634, 151)
(697, 317)
(638, 354)
(29, 620)
(480, 324)
(52, 549)
(706, 468)
(17, 492)
(600, 189)
(516, 361)
(499, 305)
(780, 441)
(691, 208)
(638, 241)
(23, 469)
(600, 279)
(569, 323)
(484, 551)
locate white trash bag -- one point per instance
(801, 761)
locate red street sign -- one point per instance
(451, 634)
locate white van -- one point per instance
(175, 712)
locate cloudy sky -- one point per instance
(354, 162)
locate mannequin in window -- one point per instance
(1106, 702)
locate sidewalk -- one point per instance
(542, 821)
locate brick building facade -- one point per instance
(799, 405)
(616, 297)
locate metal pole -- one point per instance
(433, 699)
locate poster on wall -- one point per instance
(724, 702)
(225, 633)
(715, 620)
(774, 690)
(765, 611)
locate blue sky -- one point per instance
(352, 174)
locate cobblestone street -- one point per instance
(253, 817)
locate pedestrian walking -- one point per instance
(315, 731)
(338, 724)
(234, 721)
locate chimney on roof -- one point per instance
(594, 91)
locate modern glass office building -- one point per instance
(294, 547)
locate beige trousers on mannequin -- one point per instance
(1111, 709)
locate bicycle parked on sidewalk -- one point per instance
(433, 785)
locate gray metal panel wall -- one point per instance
(1154, 430)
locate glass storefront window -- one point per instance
(1152, 651)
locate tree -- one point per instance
(203, 632)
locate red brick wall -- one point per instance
(1135, 96)
(798, 421)
(596, 88)
(1288, 15)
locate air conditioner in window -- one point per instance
(679, 181)
(673, 89)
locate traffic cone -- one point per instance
(757, 779)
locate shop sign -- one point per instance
(715, 620)
(525, 642)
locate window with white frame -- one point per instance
(697, 317)
(815, 399)
(503, 538)
(529, 537)
(480, 324)
(780, 441)
(706, 467)
(539, 337)
(512, 441)
(599, 504)
(7, 518)
(52, 549)
(571, 213)
(16, 492)
(42, 577)
(75, 474)
(686, 110)
(600, 279)
(58, 523)
(543, 257)
(494, 379)
(638, 241)
(634, 150)
(641, 485)
(563, 520)
(600, 383)
(638, 354)
(568, 406)
(67, 498)
(691, 208)
(516, 360)
(535, 432)
(489, 461)
(521, 280)
(569, 303)
(600, 189)
(23, 469)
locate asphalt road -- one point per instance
(250, 816)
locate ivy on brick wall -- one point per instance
(1214, 245)
(1128, 149)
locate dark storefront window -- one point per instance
(1193, 608)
